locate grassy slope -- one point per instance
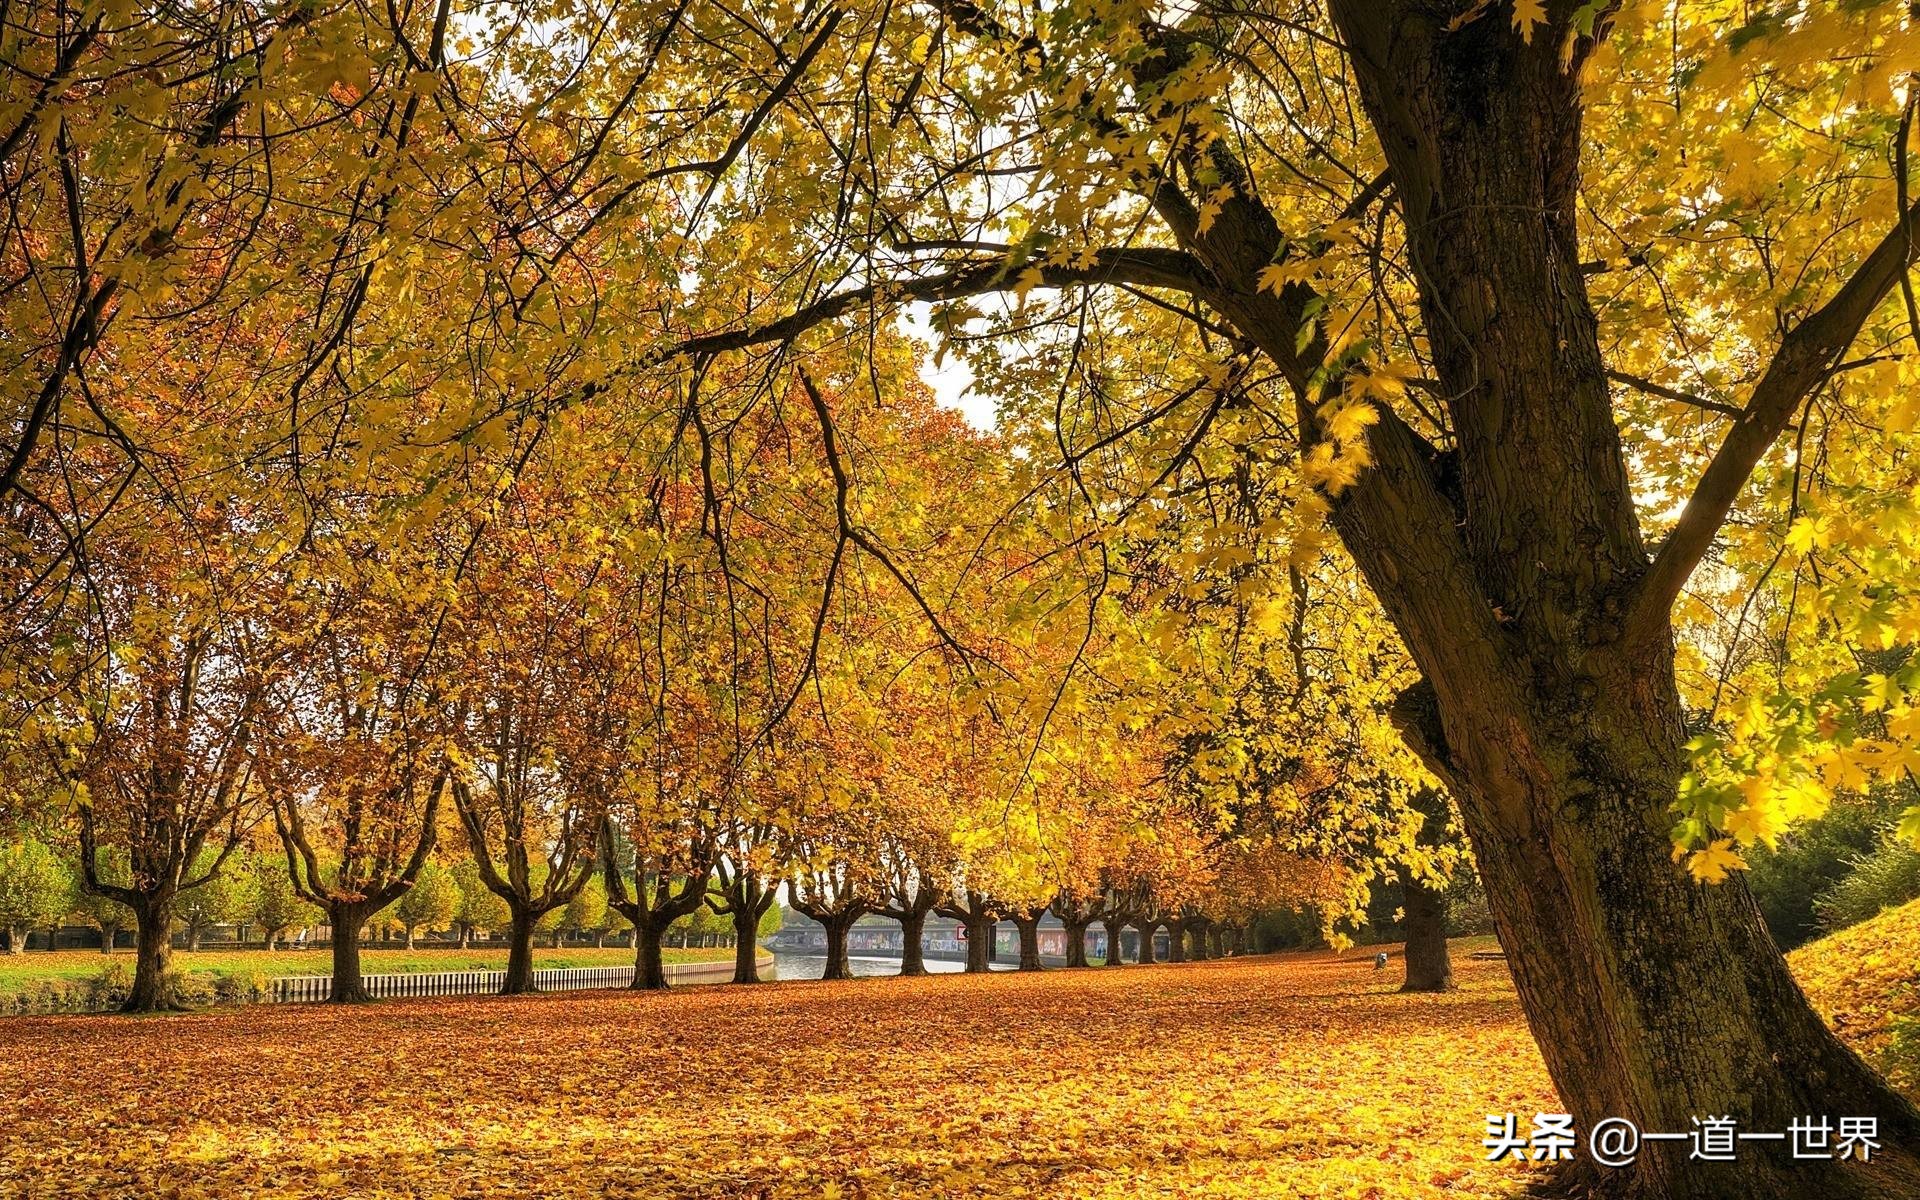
(17, 970)
(1863, 977)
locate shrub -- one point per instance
(1788, 879)
(188, 988)
(232, 987)
(1888, 877)
(108, 987)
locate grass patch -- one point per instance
(22, 970)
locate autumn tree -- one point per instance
(745, 887)
(104, 913)
(161, 682)
(429, 903)
(539, 729)
(363, 763)
(226, 897)
(35, 890)
(277, 905)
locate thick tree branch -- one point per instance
(1807, 357)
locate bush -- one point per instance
(231, 987)
(188, 988)
(108, 987)
(1468, 914)
(1888, 877)
(1809, 861)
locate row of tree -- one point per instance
(445, 406)
(42, 888)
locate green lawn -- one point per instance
(17, 970)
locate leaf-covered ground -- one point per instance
(1865, 977)
(1292, 1076)
(20, 969)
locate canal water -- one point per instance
(809, 966)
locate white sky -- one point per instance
(951, 381)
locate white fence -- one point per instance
(295, 989)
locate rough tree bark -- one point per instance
(837, 925)
(345, 919)
(1429, 969)
(519, 978)
(1177, 940)
(1515, 571)
(913, 960)
(1114, 923)
(978, 915)
(1027, 921)
(153, 954)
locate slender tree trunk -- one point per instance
(17, 939)
(409, 937)
(1115, 928)
(345, 921)
(1076, 942)
(1029, 928)
(649, 961)
(193, 938)
(153, 955)
(912, 957)
(519, 980)
(1428, 967)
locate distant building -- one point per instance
(941, 938)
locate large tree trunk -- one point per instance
(1029, 927)
(17, 939)
(1555, 719)
(1425, 921)
(979, 944)
(649, 960)
(1076, 932)
(1176, 941)
(519, 980)
(1197, 936)
(746, 952)
(1146, 952)
(153, 955)
(836, 966)
(345, 921)
(1114, 927)
(913, 959)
